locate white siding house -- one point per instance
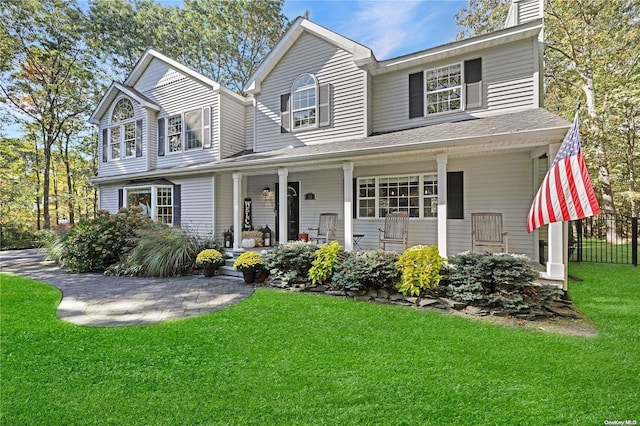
(324, 127)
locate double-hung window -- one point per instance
(156, 201)
(122, 135)
(444, 88)
(174, 133)
(305, 102)
(414, 194)
(188, 130)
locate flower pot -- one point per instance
(249, 277)
(208, 271)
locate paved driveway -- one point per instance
(97, 300)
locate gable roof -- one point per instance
(361, 54)
(112, 93)
(150, 54)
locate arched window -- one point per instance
(122, 141)
(305, 102)
(122, 111)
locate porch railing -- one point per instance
(605, 238)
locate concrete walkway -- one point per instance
(94, 299)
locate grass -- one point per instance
(292, 358)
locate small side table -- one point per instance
(356, 241)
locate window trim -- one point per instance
(422, 176)
(460, 86)
(121, 125)
(316, 106)
(153, 189)
(183, 131)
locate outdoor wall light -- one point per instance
(266, 191)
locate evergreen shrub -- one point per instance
(370, 269)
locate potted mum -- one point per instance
(250, 264)
(209, 260)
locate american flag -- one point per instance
(566, 192)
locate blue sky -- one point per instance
(389, 28)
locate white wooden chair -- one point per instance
(326, 230)
(486, 231)
(396, 230)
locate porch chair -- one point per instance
(326, 230)
(396, 230)
(486, 231)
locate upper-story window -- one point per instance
(453, 87)
(306, 106)
(185, 131)
(305, 97)
(444, 88)
(124, 133)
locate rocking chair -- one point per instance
(326, 230)
(395, 230)
(486, 231)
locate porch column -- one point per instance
(237, 211)
(347, 168)
(555, 264)
(283, 216)
(442, 204)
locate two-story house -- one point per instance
(326, 127)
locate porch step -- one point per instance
(228, 270)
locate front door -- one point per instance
(293, 210)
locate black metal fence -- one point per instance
(605, 238)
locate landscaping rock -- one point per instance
(427, 302)
(318, 288)
(564, 312)
(458, 306)
(475, 311)
(356, 293)
(335, 293)
(396, 296)
(383, 292)
(412, 300)
(364, 298)
(372, 292)
(381, 300)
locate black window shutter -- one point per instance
(285, 114)
(455, 195)
(416, 95)
(473, 70)
(139, 138)
(177, 205)
(105, 145)
(354, 198)
(160, 137)
(120, 198)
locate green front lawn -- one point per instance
(289, 358)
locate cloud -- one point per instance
(384, 26)
(392, 28)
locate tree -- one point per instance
(588, 60)
(48, 76)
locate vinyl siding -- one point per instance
(329, 64)
(232, 126)
(123, 165)
(507, 78)
(151, 135)
(197, 204)
(108, 198)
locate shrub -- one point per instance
(499, 281)
(324, 263)
(420, 267)
(209, 258)
(16, 237)
(367, 269)
(168, 252)
(291, 262)
(249, 261)
(94, 244)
